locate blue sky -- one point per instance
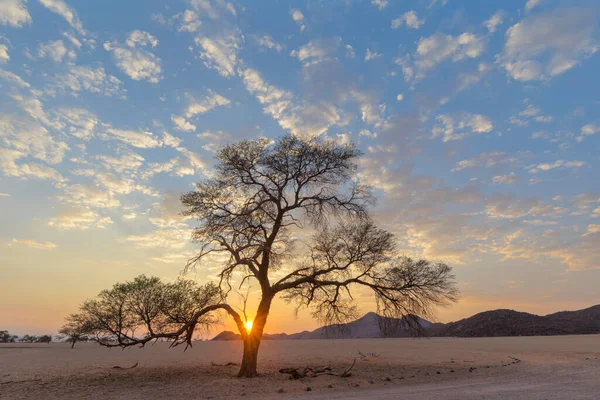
(478, 120)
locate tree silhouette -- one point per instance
(258, 207)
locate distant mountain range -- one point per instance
(485, 324)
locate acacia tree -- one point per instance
(262, 198)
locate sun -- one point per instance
(248, 326)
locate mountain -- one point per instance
(485, 324)
(370, 325)
(513, 323)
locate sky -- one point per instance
(479, 122)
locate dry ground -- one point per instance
(566, 367)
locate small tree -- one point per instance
(44, 339)
(6, 337)
(260, 194)
(70, 332)
(28, 339)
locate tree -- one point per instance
(252, 212)
(6, 337)
(28, 339)
(44, 339)
(71, 333)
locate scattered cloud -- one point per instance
(505, 179)
(61, 8)
(88, 79)
(494, 22)
(534, 169)
(140, 139)
(134, 60)
(14, 13)
(410, 19)
(268, 42)
(381, 4)
(546, 45)
(531, 4)
(4, 57)
(35, 244)
(298, 18)
(55, 50)
(466, 125)
(371, 55)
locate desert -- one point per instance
(551, 367)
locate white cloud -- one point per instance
(28, 138)
(371, 55)
(532, 4)
(494, 22)
(55, 50)
(144, 140)
(466, 80)
(220, 52)
(89, 79)
(456, 130)
(61, 8)
(439, 47)
(317, 50)
(79, 122)
(190, 21)
(381, 4)
(4, 57)
(134, 61)
(546, 45)
(350, 53)
(182, 124)
(210, 102)
(35, 244)
(89, 196)
(298, 18)
(587, 130)
(506, 179)
(13, 79)
(410, 19)
(14, 13)
(78, 218)
(268, 42)
(400, 97)
(534, 169)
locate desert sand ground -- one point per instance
(566, 367)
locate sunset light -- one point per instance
(248, 326)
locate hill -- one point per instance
(514, 323)
(485, 324)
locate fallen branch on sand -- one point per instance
(223, 365)
(295, 373)
(119, 367)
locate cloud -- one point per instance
(220, 52)
(61, 8)
(182, 124)
(587, 130)
(381, 4)
(317, 50)
(268, 42)
(298, 18)
(35, 244)
(140, 139)
(14, 13)
(534, 169)
(546, 45)
(531, 4)
(350, 53)
(78, 122)
(78, 218)
(13, 79)
(210, 102)
(4, 57)
(133, 60)
(440, 47)
(487, 160)
(505, 179)
(468, 123)
(466, 80)
(410, 19)
(89, 79)
(530, 113)
(494, 22)
(26, 137)
(371, 55)
(55, 50)
(89, 197)
(189, 21)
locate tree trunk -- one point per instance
(253, 338)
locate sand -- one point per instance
(565, 367)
